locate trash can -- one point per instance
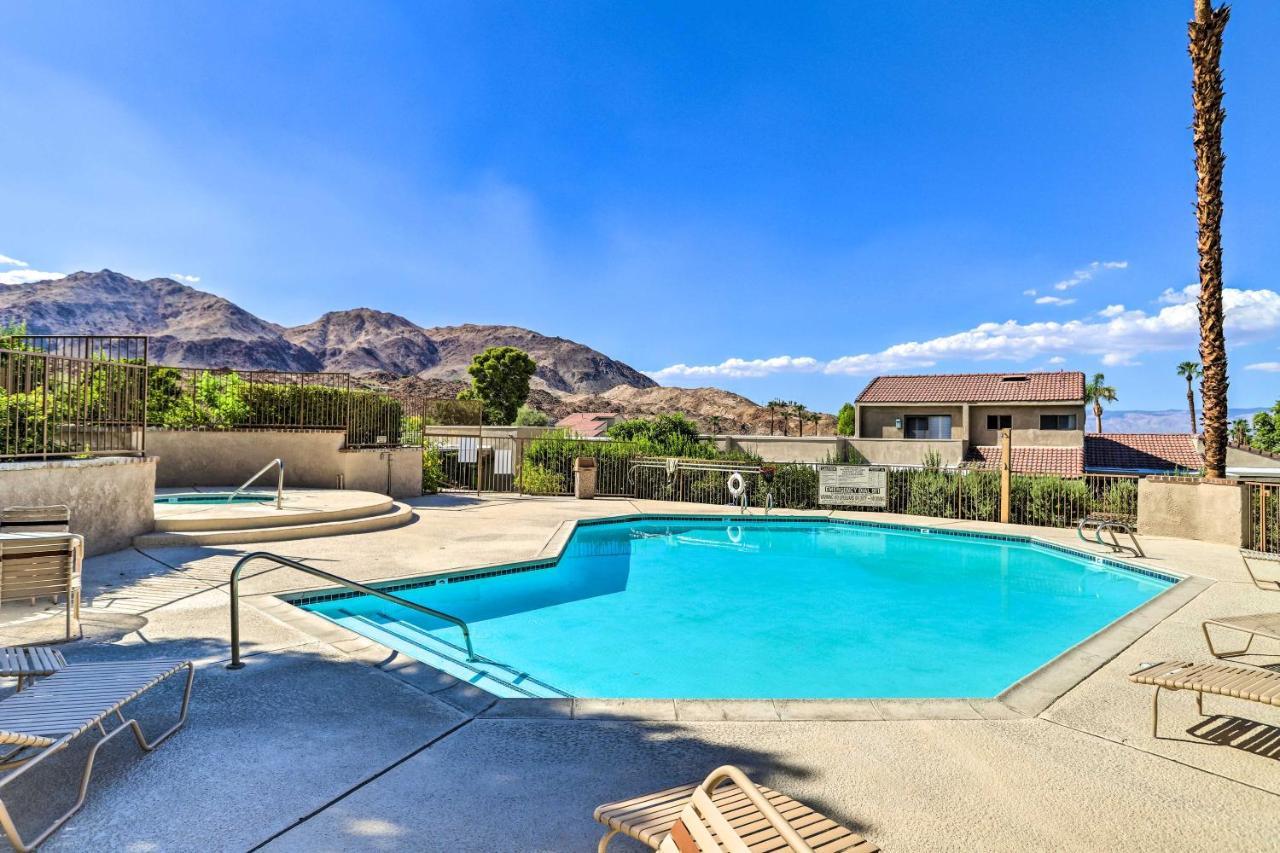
(584, 478)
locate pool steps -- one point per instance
(366, 519)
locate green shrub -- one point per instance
(526, 416)
(1121, 498)
(536, 480)
(433, 476)
(1056, 502)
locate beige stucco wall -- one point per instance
(1026, 426)
(877, 421)
(778, 448)
(397, 473)
(1238, 458)
(907, 451)
(313, 460)
(1193, 508)
(111, 500)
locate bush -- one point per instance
(1121, 498)
(531, 417)
(536, 480)
(433, 476)
(1055, 502)
(845, 420)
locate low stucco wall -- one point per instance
(1194, 508)
(312, 460)
(111, 500)
(907, 451)
(779, 448)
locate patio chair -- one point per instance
(1257, 625)
(1268, 584)
(46, 717)
(1239, 682)
(35, 519)
(728, 812)
(42, 566)
(27, 663)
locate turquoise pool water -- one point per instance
(725, 608)
(214, 498)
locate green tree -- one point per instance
(1189, 370)
(526, 416)
(1240, 432)
(1097, 392)
(1266, 430)
(799, 409)
(500, 379)
(778, 407)
(845, 420)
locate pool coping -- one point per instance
(1027, 697)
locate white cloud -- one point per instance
(1054, 300)
(7, 261)
(1119, 339)
(1265, 366)
(1030, 291)
(1112, 311)
(1057, 359)
(737, 368)
(1082, 275)
(190, 279)
(1179, 297)
(28, 276)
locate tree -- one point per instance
(1189, 370)
(1266, 430)
(800, 409)
(814, 418)
(846, 423)
(777, 406)
(526, 416)
(1097, 392)
(714, 422)
(1240, 432)
(500, 379)
(1205, 36)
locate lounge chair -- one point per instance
(35, 519)
(41, 566)
(29, 662)
(1257, 625)
(43, 719)
(727, 811)
(1268, 584)
(1239, 682)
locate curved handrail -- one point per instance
(236, 663)
(279, 482)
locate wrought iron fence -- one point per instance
(1264, 517)
(56, 406)
(545, 467)
(127, 348)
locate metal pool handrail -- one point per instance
(279, 482)
(236, 663)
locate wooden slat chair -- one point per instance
(1238, 682)
(27, 663)
(35, 519)
(1268, 584)
(45, 718)
(726, 812)
(42, 567)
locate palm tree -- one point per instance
(1189, 370)
(1240, 432)
(1205, 33)
(1098, 392)
(800, 409)
(714, 422)
(815, 419)
(774, 406)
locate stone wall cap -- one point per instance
(95, 462)
(1196, 481)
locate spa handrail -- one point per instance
(279, 482)
(236, 663)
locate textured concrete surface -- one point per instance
(314, 746)
(111, 499)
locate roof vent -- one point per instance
(1017, 377)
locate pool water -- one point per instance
(215, 498)
(726, 608)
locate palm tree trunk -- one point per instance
(1097, 413)
(1191, 403)
(1206, 97)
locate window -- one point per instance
(999, 421)
(927, 426)
(1057, 422)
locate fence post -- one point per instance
(1006, 465)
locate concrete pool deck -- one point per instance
(312, 748)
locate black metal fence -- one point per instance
(54, 405)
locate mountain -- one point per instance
(188, 327)
(1159, 420)
(363, 341)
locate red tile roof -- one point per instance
(1142, 452)
(1065, 385)
(1064, 461)
(588, 424)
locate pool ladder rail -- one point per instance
(237, 663)
(1111, 526)
(279, 482)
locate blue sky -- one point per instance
(780, 199)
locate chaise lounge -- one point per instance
(726, 812)
(45, 718)
(1238, 682)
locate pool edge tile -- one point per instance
(657, 710)
(727, 710)
(827, 710)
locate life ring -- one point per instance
(736, 485)
(734, 533)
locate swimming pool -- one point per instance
(200, 498)
(754, 607)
